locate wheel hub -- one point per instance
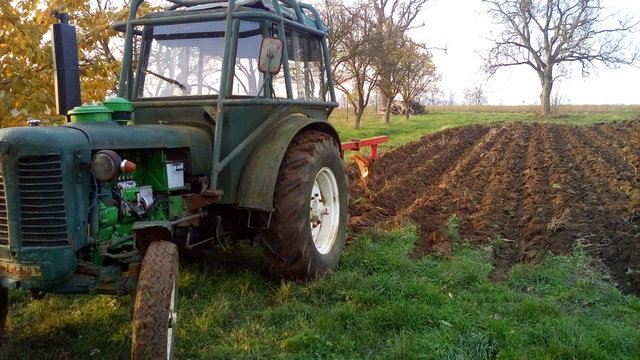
(324, 210)
(318, 208)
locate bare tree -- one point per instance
(391, 43)
(353, 53)
(416, 72)
(475, 96)
(393, 18)
(451, 98)
(547, 35)
(434, 96)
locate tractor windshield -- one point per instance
(186, 60)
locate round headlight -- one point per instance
(105, 165)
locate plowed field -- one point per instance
(529, 189)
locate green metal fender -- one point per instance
(260, 172)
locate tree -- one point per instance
(416, 72)
(475, 97)
(393, 18)
(24, 62)
(391, 43)
(434, 96)
(353, 53)
(27, 85)
(367, 41)
(548, 35)
(100, 46)
(450, 98)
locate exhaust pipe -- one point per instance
(65, 62)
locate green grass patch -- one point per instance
(378, 305)
(402, 131)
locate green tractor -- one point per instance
(219, 131)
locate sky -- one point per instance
(461, 26)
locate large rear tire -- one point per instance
(308, 228)
(154, 312)
(4, 309)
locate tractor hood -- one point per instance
(76, 141)
(110, 135)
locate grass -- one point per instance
(402, 131)
(378, 305)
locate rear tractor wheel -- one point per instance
(308, 229)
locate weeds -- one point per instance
(559, 221)
(453, 228)
(283, 293)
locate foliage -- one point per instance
(370, 49)
(25, 66)
(547, 35)
(393, 19)
(417, 74)
(353, 53)
(27, 87)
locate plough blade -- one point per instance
(363, 166)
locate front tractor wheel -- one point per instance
(154, 312)
(308, 228)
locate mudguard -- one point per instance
(259, 175)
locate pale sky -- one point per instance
(462, 27)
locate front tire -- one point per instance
(154, 313)
(308, 228)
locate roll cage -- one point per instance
(277, 18)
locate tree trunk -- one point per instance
(546, 80)
(387, 114)
(358, 110)
(356, 121)
(407, 109)
(385, 103)
(382, 100)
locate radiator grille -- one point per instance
(4, 221)
(42, 208)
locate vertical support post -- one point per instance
(374, 151)
(285, 53)
(325, 53)
(125, 86)
(228, 62)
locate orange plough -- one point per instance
(363, 162)
(356, 144)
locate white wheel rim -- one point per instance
(324, 207)
(173, 316)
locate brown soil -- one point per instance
(532, 188)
